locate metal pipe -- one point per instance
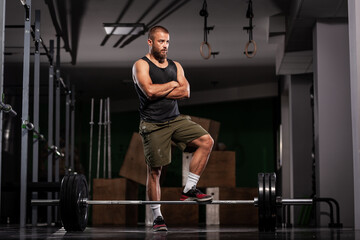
(105, 137)
(109, 137)
(72, 129)
(152, 6)
(43, 202)
(25, 115)
(57, 118)
(160, 16)
(67, 133)
(36, 111)
(124, 10)
(139, 202)
(303, 201)
(91, 140)
(99, 140)
(50, 128)
(2, 45)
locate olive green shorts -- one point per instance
(157, 138)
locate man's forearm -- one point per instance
(155, 91)
(181, 92)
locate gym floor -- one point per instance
(14, 232)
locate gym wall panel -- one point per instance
(333, 131)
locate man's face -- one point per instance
(159, 45)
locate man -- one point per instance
(159, 83)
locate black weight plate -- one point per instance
(67, 210)
(267, 201)
(63, 200)
(261, 212)
(81, 208)
(75, 212)
(272, 202)
(70, 202)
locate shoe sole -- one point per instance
(160, 229)
(209, 199)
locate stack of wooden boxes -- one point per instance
(218, 179)
(114, 189)
(134, 172)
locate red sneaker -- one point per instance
(195, 194)
(159, 224)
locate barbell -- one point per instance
(74, 202)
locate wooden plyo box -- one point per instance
(114, 189)
(219, 171)
(176, 215)
(134, 166)
(243, 215)
(211, 126)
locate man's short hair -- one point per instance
(155, 29)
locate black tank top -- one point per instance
(161, 109)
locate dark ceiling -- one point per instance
(90, 61)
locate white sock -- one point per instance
(192, 180)
(155, 210)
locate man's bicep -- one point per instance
(141, 76)
(181, 75)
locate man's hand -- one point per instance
(183, 90)
(174, 84)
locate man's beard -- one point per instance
(158, 56)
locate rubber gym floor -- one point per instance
(142, 232)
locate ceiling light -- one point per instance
(123, 28)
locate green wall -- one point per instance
(247, 127)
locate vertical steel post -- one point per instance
(2, 40)
(67, 130)
(25, 113)
(354, 47)
(72, 127)
(36, 111)
(57, 117)
(109, 137)
(99, 139)
(105, 133)
(50, 129)
(91, 140)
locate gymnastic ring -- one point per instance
(201, 50)
(247, 46)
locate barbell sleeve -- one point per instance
(303, 201)
(45, 202)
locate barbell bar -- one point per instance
(56, 202)
(139, 202)
(74, 202)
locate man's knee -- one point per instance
(154, 172)
(208, 142)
